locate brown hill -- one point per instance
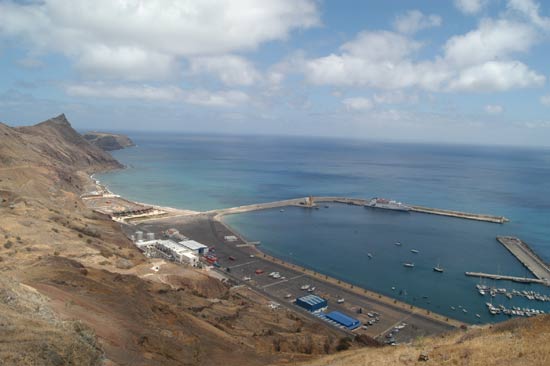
(75, 290)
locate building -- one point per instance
(343, 319)
(190, 258)
(169, 249)
(311, 302)
(194, 246)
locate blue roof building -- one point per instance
(343, 319)
(311, 302)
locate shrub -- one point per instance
(8, 244)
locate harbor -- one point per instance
(284, 282)
(414, 306)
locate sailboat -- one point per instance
(438, 268)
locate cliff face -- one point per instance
(109, 141)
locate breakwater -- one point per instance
(311, 202)
(526, 256)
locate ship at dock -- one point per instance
(388, 204)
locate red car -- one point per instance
(259, 271)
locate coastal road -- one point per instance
(358, 303)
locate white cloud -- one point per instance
(144, 92)
(228, 98)
(358, 103)
(217, 99)
(492, 40)
(545, 100)
(480, 60)
(132, 62)
(230, 69)
(380, 46)
(134, 34)
(470, 6)
(376, 59)
(414, 20)
(496, 76)
(531, 10)
(494, 109)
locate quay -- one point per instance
(526, 256)
(461, 215)
(311, 202)
(508, 278)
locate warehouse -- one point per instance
(343, 319)
(194, 246)
(311, 302)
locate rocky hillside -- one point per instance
(109, 141)
(75, 291)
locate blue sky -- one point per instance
(463, 71)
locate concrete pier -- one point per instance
(508, 278)
(526, 256)
(303, 202)
(461, 215)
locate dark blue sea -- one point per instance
(202, 172)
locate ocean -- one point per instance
(202, 172)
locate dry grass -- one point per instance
(518, 342)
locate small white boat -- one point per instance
(408, 264)
(398, 243)
(478, 316)
(415, 251)
(369, 255)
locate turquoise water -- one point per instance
(205, 172)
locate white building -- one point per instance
(195, 246)
(190, 258)
(180, 253)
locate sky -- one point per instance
(456, 71)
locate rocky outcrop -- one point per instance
(108, 141)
